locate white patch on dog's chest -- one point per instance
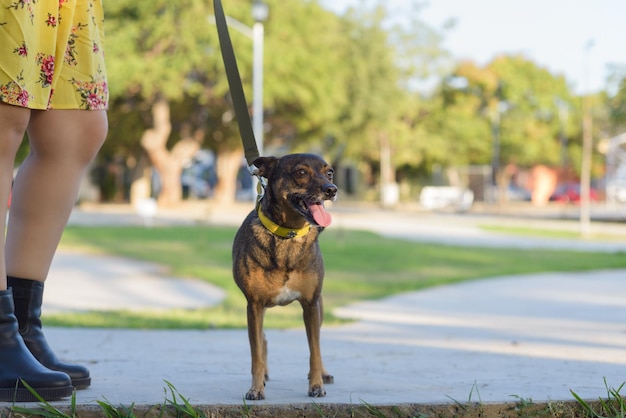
(286, 296)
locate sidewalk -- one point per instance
(496, 340)
(531, 337)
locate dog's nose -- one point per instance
(330, 190)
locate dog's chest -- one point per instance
(286, 295)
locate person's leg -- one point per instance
(63, 144)
(13, 121)
(16, 361)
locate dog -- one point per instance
(277, 258)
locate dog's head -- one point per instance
(299, 183)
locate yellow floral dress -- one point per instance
(51, 54)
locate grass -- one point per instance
(359, 266)
(547, 233)
(614, 405)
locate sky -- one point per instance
(574, 38)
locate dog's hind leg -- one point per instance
(258, 351)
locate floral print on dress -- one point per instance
(51, 20)
(59, 63)
(93, 93)
(21, 50)
(70, 49)
(12, 92)
(28, 5)
(46, 69)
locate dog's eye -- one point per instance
(301, 172)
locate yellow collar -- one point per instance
(282, 231)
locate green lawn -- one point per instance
(359, 265)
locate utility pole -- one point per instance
(585, 167)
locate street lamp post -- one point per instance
(259, 13)
(585, 169)
(496, 120)
(256, 33)
(563, 115)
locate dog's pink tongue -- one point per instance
(320, 215)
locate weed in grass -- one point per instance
(246, 410)
(614, 406)
(560, 409)
(394, 412)
(45, 409)
(120, 411)
(319, 410)
(184, 409)
(470, 402)
(522, 401)
(372, 410)
(522, 406)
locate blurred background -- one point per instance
(441, 104)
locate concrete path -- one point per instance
(83, 282)
(495, 340)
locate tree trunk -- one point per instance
(228, 164)
(154, 141)
(389, 190)
(168, 164)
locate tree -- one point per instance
(383, 112)
(162, 53)
(505, 113)
(617, 101)
(333, 84)
(158, 54)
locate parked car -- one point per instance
(446, 197)
(570, 192)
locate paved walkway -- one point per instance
(82, 282)
(492, 340)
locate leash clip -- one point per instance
(261, 184)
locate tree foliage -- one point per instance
(617, 102)
(342, 85)
(512, 98)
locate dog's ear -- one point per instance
(266, 165)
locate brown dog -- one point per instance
(277, 259)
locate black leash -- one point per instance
(236, 89)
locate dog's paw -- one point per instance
(328, 379)
(317, 391)
(255, 395)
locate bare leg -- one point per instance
(13, 121)
(63, 144)
(16, 361)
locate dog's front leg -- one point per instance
(312, 322)
(326, 377)
(258, 351)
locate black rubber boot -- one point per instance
(28, 296)
(17, 364)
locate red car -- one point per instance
(570, 192)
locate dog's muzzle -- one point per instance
(330, 191)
